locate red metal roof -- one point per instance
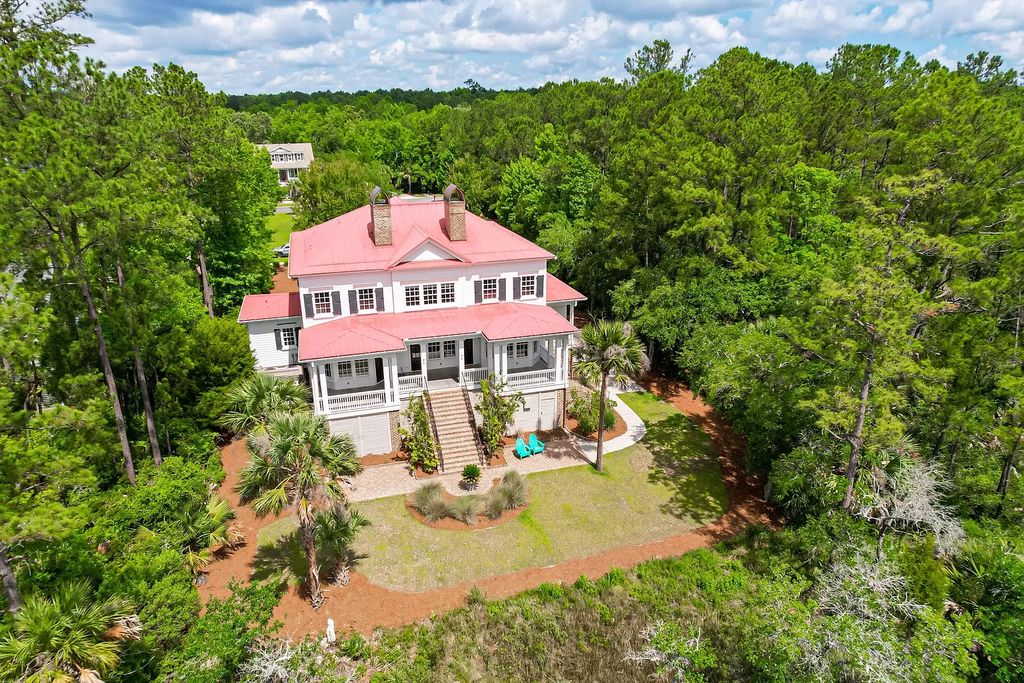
(357, 335)
(559, 291)
(269, 307)
(345, 244)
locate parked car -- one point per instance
(283, 250)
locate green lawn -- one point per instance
(281, 224)
(668, 484)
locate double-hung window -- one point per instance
(429, 295)
(327, 368)
(490, 289)
(345, 368)
(321, 303)
(522, 349)
(412, 295)
(362, 368)
(528, 285)
(447, 292)
(433, 350)
(366, 299)
(449, 348)
(289, 337)
(510, 352)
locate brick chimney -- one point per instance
(380, 215)
(455, 213)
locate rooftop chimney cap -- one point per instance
(452, 189)
(377, 193)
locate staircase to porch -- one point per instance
(456, 429)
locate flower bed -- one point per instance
(437, 508)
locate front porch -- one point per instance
(379, 383)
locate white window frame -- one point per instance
(430, 295)
(449, 348)
(293, 332)
(532, 280)
(327, 369)
(362, 367)
(510, 351)
(522, 349)
(293, 173)
(410, 292)
(345, 369)
(489, 283)
(433, 350)
(317, 303)
(360, 301)
(446, 292)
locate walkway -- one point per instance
(382, 481)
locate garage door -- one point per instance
(370, 433)
(548, 407)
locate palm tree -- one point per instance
(298, 467)
(609, 350)
(204, 529)
(257, 398)
(67, 637)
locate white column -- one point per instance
(424, 360)
(555, 351)
(393, 374)
(460, 349)
(314, 387)
(322, 379)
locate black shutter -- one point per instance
(378, 294)
(540, 285)
(353, 302)
(307, 304)
(517, 290)
(501, 289)
(277, 340)
(336, 302)
(478, 291)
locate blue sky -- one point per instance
(269, 46)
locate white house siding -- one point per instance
(540, 412)
(263, 343)
(370, 433)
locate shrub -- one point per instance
(494, 504)
(465, 509)
(471, 474)
(429, 502)
(418, 440)
(513, 489)
(585, 408)
(496, 412)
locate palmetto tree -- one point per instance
(297, 467)
(256, 399)
(204, 529)
(609, 350)
(69, 637)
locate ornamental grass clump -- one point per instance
(513, 489)
(465, 509)
(429, 502)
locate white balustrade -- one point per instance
(409, 385)
(471, 376)
(363, 399)
(533, 378)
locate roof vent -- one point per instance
(380, 215)
(455, 213)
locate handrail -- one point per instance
(363, 399)
(433, 430)
(473, 426)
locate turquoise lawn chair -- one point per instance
(521, 450)
(536, 445)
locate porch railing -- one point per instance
(409, 385)
(471, 376)
(363, 399)
(532, 378)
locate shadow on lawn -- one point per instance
(285, 560)
(682, 463)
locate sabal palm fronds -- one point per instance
(298, 468)
(204, 529)
(67, 637)
(257, 398)
(609, 350)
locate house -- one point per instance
(288, 159)
(405, 295)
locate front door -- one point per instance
(467, 350)
(415, 363)
(379, 367)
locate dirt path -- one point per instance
(363, 606)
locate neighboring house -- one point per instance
(404, 295)
(288, 159)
